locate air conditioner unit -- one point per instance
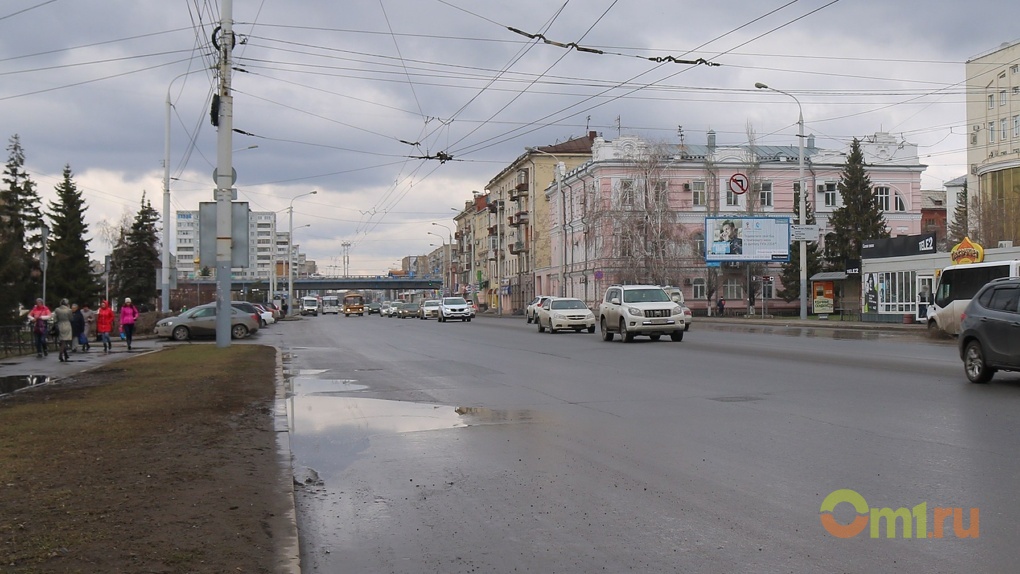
(821, 188)
(973, 139)
(687, 186)
(687, 282)
(973, 169)
(1003, 244)
(977, 127)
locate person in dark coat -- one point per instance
(77, 328)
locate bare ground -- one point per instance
(165, 462)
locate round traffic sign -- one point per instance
(216, 176)
(738, 183)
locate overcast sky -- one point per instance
(346, 97)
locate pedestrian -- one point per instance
(721, 306)
(63, 314)
(128, 316)
(39, 318)
(286, 307)
(77, 328)
(104, 325)
(90, 325)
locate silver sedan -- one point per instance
(201, 322)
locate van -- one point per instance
(330, 304)
(310, 306)
(957, 286)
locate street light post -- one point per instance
(290, 253)
(802, 217)
(44, 258)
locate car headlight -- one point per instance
(559, 316)
(678, 310)
(635, 311)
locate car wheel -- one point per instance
(538, 321)
(180, 333)
(974, 364)
(654, 337)
(625, 336)
(606, 334)
(677, 336)
(527, 317)
(239, 331)
(468, 319)
(264, 324)
(591, 329)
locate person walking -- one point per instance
(77, 328)
(90, 326)
(63, 314)
(104, 325)
(721, 306)
(128, 316)
(39, 318)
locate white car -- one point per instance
(429, 309)
(531, 313)
(454, 308)
(633, 310)
(559, 313)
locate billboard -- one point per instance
(747, 239)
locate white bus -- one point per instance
(330, 304)
(957, 286)
(310, 306)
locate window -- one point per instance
(991, 132)
(765, 195)
(768, 290)
(733, 289)
(1003, 129)
(1016, 126)
(627, 192)
(700, 290)
(699, 244)
(698, 187)
(900, 204)
(659, 189)
(732, 198)
(991, 101)
(882, 198)
(1014, 68)
(828, 191)
(1002, 98)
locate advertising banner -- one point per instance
(747, 239)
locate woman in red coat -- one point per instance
(104, 325)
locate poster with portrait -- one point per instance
(747, 239)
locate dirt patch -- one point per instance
(165, 463)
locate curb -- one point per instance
(288, 552)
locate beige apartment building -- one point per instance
(993, 144)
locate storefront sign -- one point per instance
(967, 251)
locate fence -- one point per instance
(17, 340)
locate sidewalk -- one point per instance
(30, 370)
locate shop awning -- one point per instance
(829, 276)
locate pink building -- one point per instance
(636, 212)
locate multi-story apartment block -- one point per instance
(634, 202)
(993, 145)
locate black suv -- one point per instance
(990, 330)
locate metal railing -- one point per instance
(17, 340)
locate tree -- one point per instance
(12, 273)
(69, 273)
(859, 219)
(21, 214)
(135, 257)
(790, 274)
(961, 222)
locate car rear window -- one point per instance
(1004, 299)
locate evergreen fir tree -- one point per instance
(135, 258)
(20, 212)
(859, 219)
(790, 274)
(69, 273)
(961, 223)
(12, 272)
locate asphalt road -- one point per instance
(487, 447)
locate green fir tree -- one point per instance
(790, 274)
(135, 259)
(69, 273)
(961, 219)
(859, 219)
(20, 213)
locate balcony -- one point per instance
(519, 218)
(519, 192)
(518, 247)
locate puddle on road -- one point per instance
(13, 383)
(320, 387)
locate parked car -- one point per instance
(200, 321)
(429, 309)
(558, 313)
(374, 308)
(531, 312)
(632, 310)
(408, 310)
(453, 308)
(473, 308)
(677, 295)
(265, 314)
(989, 338)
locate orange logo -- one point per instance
(967, 251)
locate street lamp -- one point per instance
(561, 168)
(802, 217)
(290, 255)
(449, 271)
(44, 257)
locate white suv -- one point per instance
(632, 310)
(454, 308)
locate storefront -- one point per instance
(896, 287)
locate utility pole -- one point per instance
(347, 256)
(223, 39)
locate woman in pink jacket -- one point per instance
(128, 315)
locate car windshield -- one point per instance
(569, 304)
(410, 305)
(645, 296)
(432, 303)
(454, 301)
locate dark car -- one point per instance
(374, 308)
(408, 311)
(990, 330)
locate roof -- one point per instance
(829, 276)
(580, 145)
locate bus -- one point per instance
(957, 286)
(330, 304)
(354, 304)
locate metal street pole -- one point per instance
(44, 258)
(290, 253)
(802, 217)
(224, 175)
